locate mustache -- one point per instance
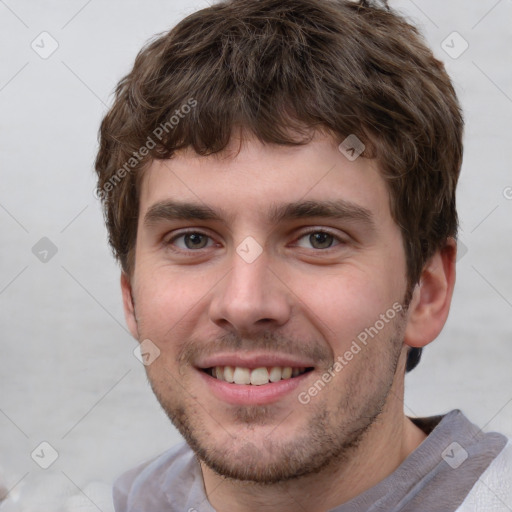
(267, 341)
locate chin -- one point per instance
(265, 454)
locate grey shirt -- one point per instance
(436, 477)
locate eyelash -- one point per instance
(336, 238)
(170, 243)
(189, 252)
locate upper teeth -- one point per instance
(256, 376)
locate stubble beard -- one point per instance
(329, 437)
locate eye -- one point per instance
(190, 241)
(318, 240)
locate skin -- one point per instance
(298, 296)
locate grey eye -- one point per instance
(317, 240)
(191, 241)
(321, 240)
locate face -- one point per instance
(282, 270)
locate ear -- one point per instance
(128, 305)
(430, 303)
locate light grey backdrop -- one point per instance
(68, 374)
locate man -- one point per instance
(278, 178)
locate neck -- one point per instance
(387, 443)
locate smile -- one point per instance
(255, 376)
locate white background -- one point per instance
(68, 375)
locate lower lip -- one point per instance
(247, 394)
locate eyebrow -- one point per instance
(339, 209)
(177, 210)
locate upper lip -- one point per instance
(254, 360)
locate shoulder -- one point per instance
(152, 482)
(493, 490)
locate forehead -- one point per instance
(256, 179)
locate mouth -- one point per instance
(252, 378)
(244, 376)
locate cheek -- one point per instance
(164, 302)
(344, 304)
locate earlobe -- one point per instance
(128, 305)
(430, 303)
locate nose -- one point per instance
(251, 297)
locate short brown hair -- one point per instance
(282, 69)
